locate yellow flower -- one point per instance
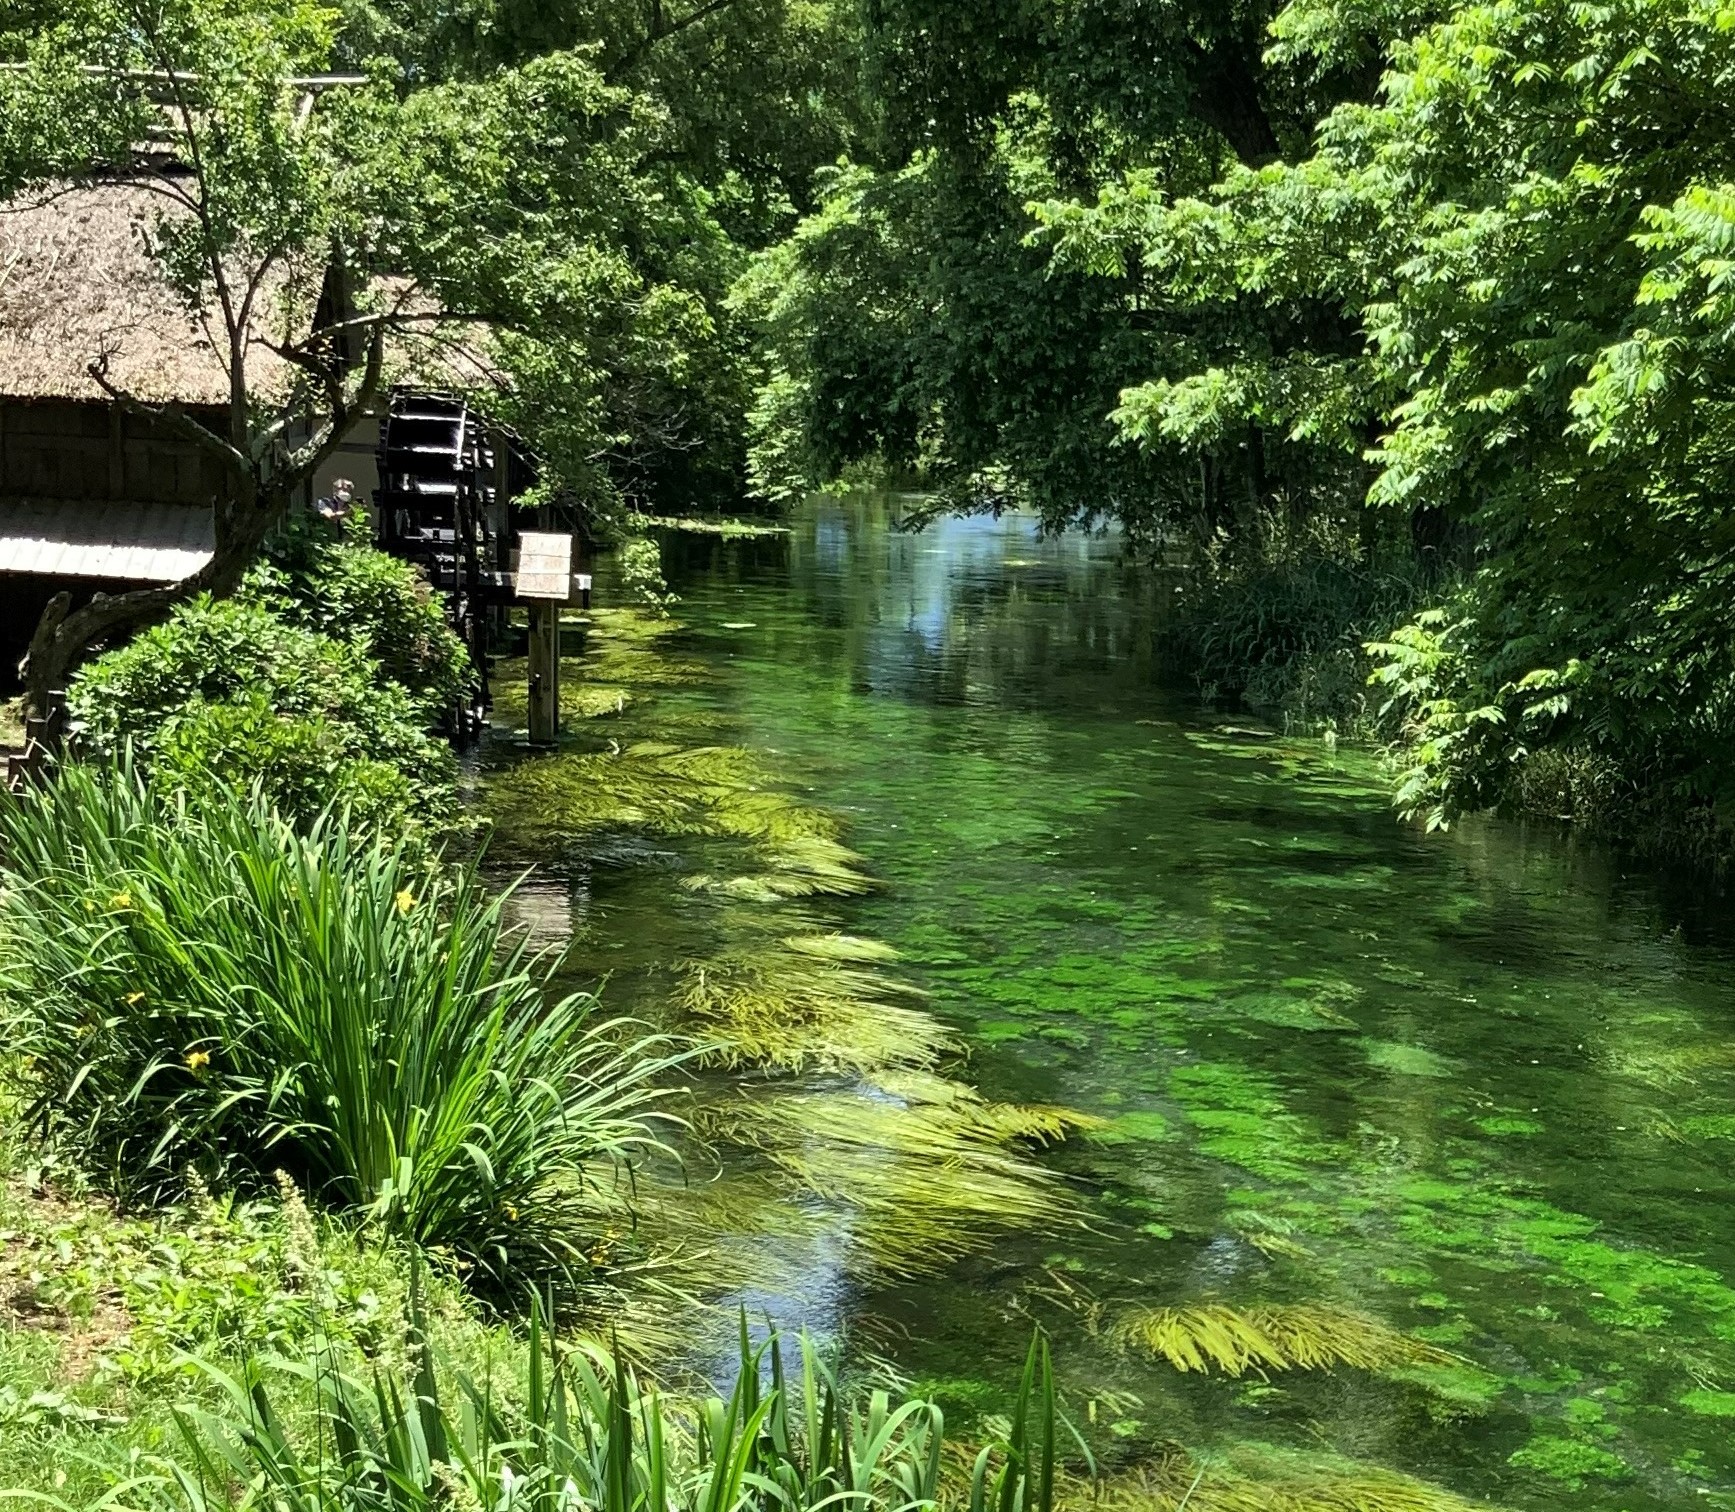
(406, 900)
(512, 1212)
(122, 899)
(197, 1060)
(133, 999)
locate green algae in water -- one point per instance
(1406, 1060)
(917, 1168)
(1089, 896)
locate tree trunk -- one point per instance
(63, 639)
(1227, 97)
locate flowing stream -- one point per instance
(1478, 1086)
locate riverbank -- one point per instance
(1390, 1175)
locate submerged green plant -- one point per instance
(929, 1170)
(211, 986)
(810, 1001)
(1275, 1337)
(1260, 1478)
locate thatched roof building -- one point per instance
(97, 497)
(78, 282)
(93, 498)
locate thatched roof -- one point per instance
(77, 279)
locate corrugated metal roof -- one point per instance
(91, 538)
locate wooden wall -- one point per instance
(88, 449)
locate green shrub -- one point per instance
(226, 691)
(346, 590)
(1287, 635)
(206, 984)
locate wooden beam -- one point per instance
(544, 692)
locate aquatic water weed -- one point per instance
(1270, 1337)
(795, 1003)
(1264, 1478)
(925, 1181)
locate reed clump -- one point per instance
(210, 987)
(581, 1431)
(1272, 1337)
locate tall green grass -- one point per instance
(584, 1433)
(203, 985)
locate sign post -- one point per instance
(544, 581)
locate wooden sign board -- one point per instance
(544, 567)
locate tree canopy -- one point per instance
(548, 204)
(1427, 301)
(1444, 281)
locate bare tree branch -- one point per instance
(172, 414)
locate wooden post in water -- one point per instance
(544, 581)
(544, 701)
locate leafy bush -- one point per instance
(228, 691)
(380, 605)
(1471, 725)
(204, 983)
(1286, 634)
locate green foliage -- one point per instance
(229, 692)
(558, 200)
(1287, 634)
(347, 591)
(1004, 401)
(587, 1433)
(1467, 315)
(210, 1275)
(209, 985)
(1532, 314)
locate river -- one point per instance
(1479, 1086)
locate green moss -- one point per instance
(1240, 1120)
(1710, 1126)
(1406, 1060)
(1133, 1127)
(1455, 1390)
(1507, 1125)
(1711, 1404)
(1569, 1461)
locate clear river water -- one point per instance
(1478, 1086)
